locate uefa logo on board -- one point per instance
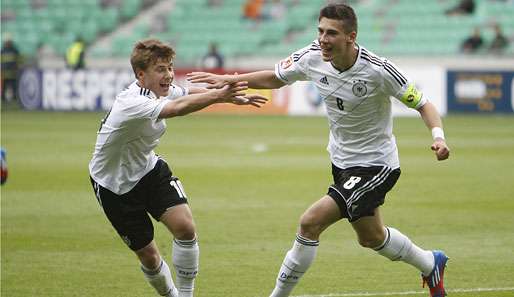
(30, 89)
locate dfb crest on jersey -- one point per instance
(359, 88)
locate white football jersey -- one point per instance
(357, 103)
(127, 137)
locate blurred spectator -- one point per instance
(499, 42)
(213, 60)
(473, 43)
(38, 4)
(75, 55)
(252, 9)
(462, 8)
(159, 22)
(110, 3)
(11, 59)
(276, 10)
(7, 15)
(214, 3)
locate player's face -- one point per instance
(158, 77)
(335, 43)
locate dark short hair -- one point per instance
(149, 51)
(341, 12)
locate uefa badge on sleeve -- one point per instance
(286, 63)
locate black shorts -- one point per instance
(359, 190)
(157, 191)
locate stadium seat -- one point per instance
(400, 27)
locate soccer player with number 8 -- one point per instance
(356, 86)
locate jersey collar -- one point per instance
(143, 91)
(339, 71)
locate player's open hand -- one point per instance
(231, 91)
(250, 99)
(442, 152)
(214, 81)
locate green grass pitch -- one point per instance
(249, 179)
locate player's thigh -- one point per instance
(320, 215)
(161, 190)
(370, 229)
(179, 220)
(127, 215)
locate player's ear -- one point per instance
(140, 74)
(351, 37)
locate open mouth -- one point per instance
(165, 85)
(326, 50)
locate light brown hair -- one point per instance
(148, 52)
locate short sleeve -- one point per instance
(177, 91)
(141, 107)
(397, 84)
(294, 67)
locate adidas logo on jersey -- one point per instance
(324, 80)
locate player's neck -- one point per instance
(347, 60)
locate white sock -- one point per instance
(186, 255)
(398, 247)
(160, 279)
(298, 259)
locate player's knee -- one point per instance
(371, 241)
(149, 257)
(310, 226)
(185, 231)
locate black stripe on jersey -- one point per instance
(314, 47)
(396, 71)
(400, 79)
(297, 57)
(365, 51)
(372, 58)
(144, 92)
(371, 61)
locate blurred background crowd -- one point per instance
(208, 33)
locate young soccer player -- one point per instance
(355, 85)
(130, 181)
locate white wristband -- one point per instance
(437, 132)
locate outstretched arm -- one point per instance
(231, 93)
(265, 79)
(433, 122)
